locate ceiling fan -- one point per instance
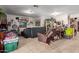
(36, 6)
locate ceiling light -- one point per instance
(29, 12)
(55, 13)
(36, 6)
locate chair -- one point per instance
(48, 37)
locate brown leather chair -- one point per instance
(46, 38)
(42, 37)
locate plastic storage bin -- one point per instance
(10, 46)
(10, 42)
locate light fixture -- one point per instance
(36, 6)
(28, 11)
(55, 13)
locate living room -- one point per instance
(39, 28)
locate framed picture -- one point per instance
(9, 23)
(37, 23)
(23, 24)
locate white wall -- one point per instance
(10, 17)
(75, 15)
(43, 17)
(63, 17)
(42, 21)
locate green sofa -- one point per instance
(32, 32)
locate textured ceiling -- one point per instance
(44, 10)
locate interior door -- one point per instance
(78, 25)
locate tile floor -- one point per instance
(32, 45)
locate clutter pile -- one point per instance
(9, 42)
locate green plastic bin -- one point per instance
(10, 46)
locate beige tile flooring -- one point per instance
(32, 45)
